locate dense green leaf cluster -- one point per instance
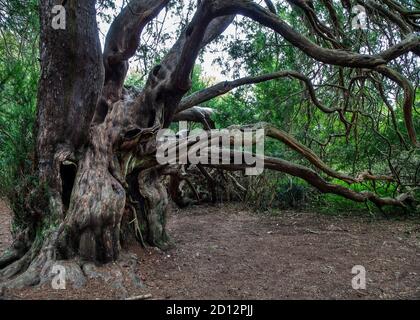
(376, 139)
(19, 73)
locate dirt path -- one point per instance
(5, 236)
(229, 253)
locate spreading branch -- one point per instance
(227, 86)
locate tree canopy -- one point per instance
(335, 90)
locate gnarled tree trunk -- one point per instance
(96, 144)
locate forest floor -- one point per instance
(232, 253)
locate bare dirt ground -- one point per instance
(232, 253)
(5, 236)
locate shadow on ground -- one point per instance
(231, 253)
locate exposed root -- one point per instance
(24, 272)
(10, 256)
(142, 297)
(42, 270)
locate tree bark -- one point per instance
(71, 82)
(96, 148)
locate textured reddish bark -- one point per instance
(96, 147)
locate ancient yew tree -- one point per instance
(99, 184)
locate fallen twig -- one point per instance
(142, 297)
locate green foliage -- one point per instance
(373, 142)
(30, 202)
(19, 73)
(134, 80)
